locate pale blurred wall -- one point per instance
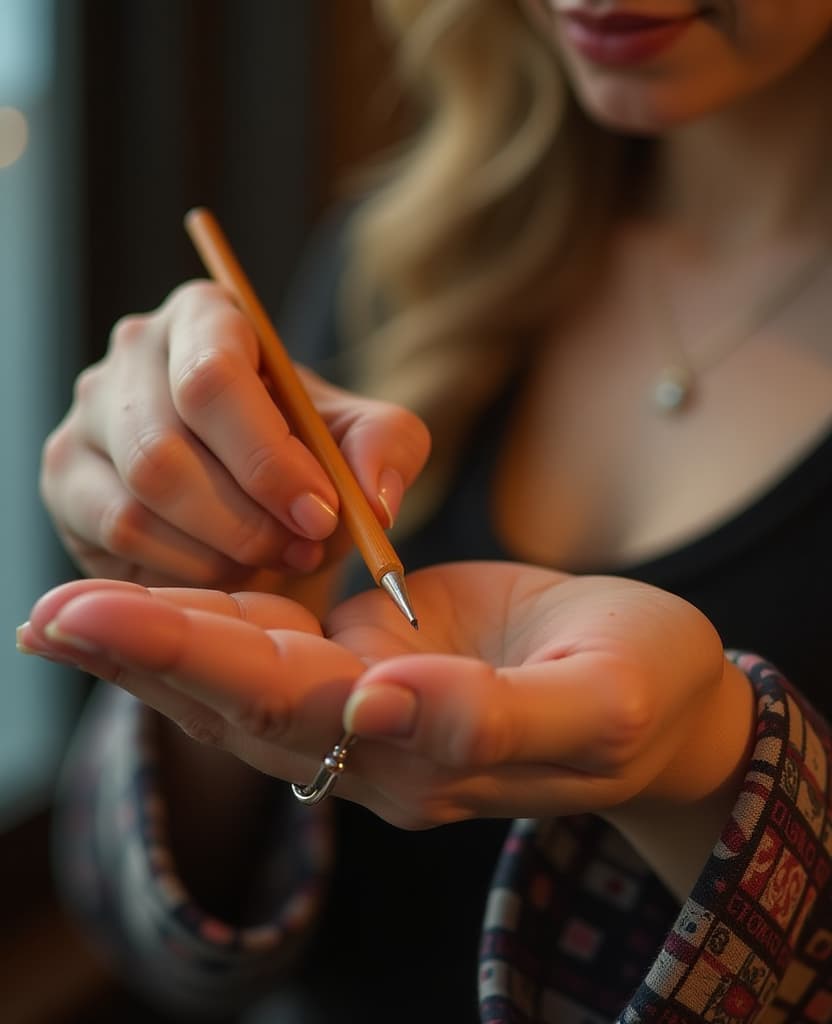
(37, 318)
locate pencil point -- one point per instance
(393, 583)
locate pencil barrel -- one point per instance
(356, 511)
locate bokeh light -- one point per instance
(14, 134)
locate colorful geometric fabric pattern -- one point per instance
(578, 931)
(116, 868)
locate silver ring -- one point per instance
(331, 767)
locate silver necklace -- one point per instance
(675, 384)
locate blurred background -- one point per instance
(117, 116)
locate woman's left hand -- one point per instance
(524, 693)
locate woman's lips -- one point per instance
(618, 40)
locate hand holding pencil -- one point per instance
(370, 539)
(379, 556)
(174, 466)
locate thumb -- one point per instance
(385, 445)
(584, 711)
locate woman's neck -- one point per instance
(757, 172)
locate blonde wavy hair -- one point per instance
(483, 227)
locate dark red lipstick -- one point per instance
(619, 40)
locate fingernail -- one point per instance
(38, 652)
(313, 516)
(54, 632)
(390, 493)
(382, 710)
(21, 645)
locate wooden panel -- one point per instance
(191, 102)
(359, 111)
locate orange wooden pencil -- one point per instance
(364, 528)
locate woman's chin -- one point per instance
(627, 115)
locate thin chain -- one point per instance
(675, 382)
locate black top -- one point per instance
(409, 905)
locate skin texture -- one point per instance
(174, 465)
(525, 692)
(551, 694)
(747, 46)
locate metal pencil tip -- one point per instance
(393, 583)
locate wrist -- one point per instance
(675, 821)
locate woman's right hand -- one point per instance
(175, 466)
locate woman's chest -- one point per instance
(591, 473)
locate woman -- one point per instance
(598, 276)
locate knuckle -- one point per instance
(628, 716)
(413, 437)
(203, 727)
(86, 384)
(480, 743)
(411, 427)
(261, 719)
(120, 526)
(128, 331)
(397, 436)
(262, 468)
(631, 710)
(253, 541)
(478, 733)
(207, 376)
(153, 463)
(56, 451)
(193, 296)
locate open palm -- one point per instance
(524, 693)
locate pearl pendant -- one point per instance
(672, 389)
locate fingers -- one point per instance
(175, 463)
(543, 739)
(128, 414)
(219, 396)
(288, 683)
(584, 712)
(47, 607)
(106, 528)
(217, 392)
(386, 445)
(258, 609)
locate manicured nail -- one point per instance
(390, 493)
(54, 632)
(23, 647)
(37, 652)
(381, 710)
(313, 516)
